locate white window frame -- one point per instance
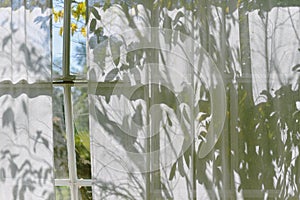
(67, 81)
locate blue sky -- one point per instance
(57, 43)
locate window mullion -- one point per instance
(68, 100)
(70, 142)
(66, 39)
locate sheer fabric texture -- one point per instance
(165, 124)
(26, 163)
(187, 100)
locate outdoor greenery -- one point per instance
(78, 15)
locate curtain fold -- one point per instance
(26, 161)
(255, 47)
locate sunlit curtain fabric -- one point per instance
(274, 40)
(194, 99)
(26, 151)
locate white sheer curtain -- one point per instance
(140, 86)
(257, 52)
(275, 39)
(26, 151)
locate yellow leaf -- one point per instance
(227, 10)
(83, 31)
(73, 28)
(61, 14)
(55, 17)
(58, 15)
(75, 14)
(79, 10)
(61, 31)
(81, 7)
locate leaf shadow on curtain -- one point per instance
(26, 151)
(260, 143)
(26, 158)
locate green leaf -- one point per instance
(180, 167)
(172, 172)
(177, 17)
(112, 75)
(96, 14)
(106, 5)
(167, 22)
(99, 33)
(93, 25)
(124, 67)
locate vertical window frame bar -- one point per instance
(66, 39)
(68, 100)
(70, 142)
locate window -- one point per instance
(120, 104)
(71, 128)
(149, 99)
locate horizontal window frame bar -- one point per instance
(78, 182)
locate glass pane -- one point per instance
(85, 193)
(57, 39)
(78, 39)
(59, 131)
(62, 193)
(81, 128)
